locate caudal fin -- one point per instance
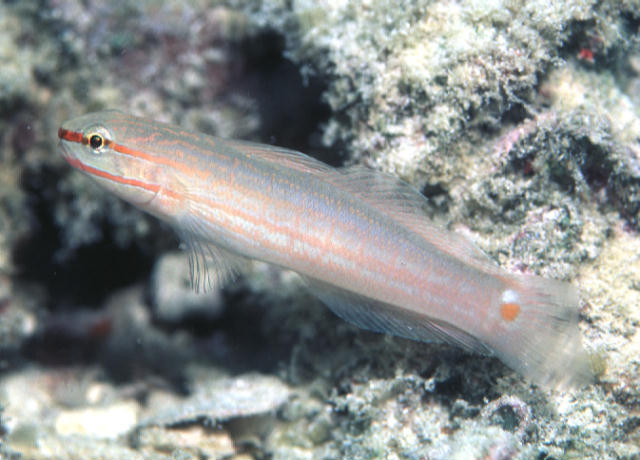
(538, 334)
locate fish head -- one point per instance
(110, 148)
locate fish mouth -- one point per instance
(66, 150)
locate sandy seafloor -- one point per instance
(518, 120)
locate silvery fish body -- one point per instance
(359, 237)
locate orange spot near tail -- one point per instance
(509, 311)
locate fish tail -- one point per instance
(537, 332)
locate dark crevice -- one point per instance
(291, 109)
(91, 272)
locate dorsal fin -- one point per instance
(285, 158)
(404, 204)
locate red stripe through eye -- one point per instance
(71, 136)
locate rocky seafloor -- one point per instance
(518, 120)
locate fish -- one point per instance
(360, 238)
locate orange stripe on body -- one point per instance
(121, 180)
(326, 245)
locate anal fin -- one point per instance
(378, 316)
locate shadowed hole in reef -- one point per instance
(291, 108)
(437, 195)
(507, 418)
(91, 272)
(238, 340)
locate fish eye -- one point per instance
(96, 141)
(98, 138)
